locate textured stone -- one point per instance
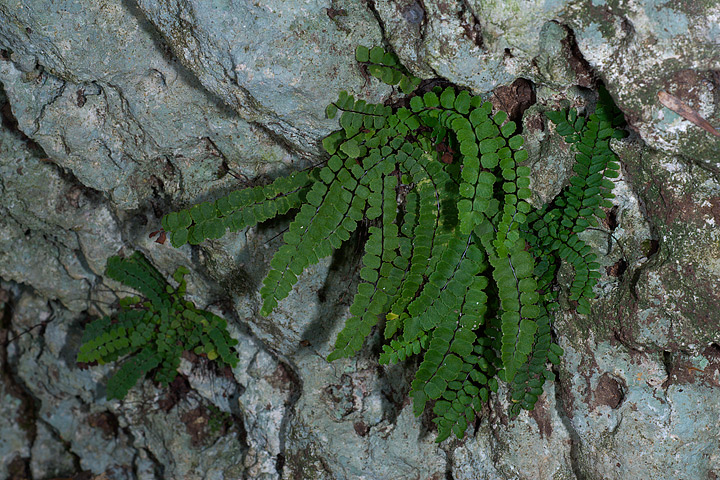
(499, 449)
(340, 400)
(276, 64)
(638, 427)
(17, 428)
(642, 47)
(344, 427)
(186, 429)
(188, 440)
(671, 296)
(53, 235)
(638, 49)
(67, 397)
(480, 44)
(549, 157)
(126, 119)
(269, 390)
(14, 441)
(49, 456)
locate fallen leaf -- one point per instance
(682, 109)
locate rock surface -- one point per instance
(127, 119)
(115, 113)
(276, 64)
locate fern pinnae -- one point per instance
(471, 387)
(332, 204)
(386, 67)
(459, 267)
(450, 374)
(153, 330)
(130, 372)
(313, 223)
(464, 267)
(527, 385)
(409, 280)
(136, 273)
(235, 211)
(379, 274)
(425, 233)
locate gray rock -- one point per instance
(671, 297)
(125, 119)
(54, 236)
(557, 64)
(26, 257)
(344, 429)
(643, 47)
(638, 49)
(270, 62)
(536, 445)
(17, 428)
(404, 25)
(187, 440)
(629, 411)
(451, 34)
(14, 440)
(340, 400)
(480, 44)
(67, 398)
(49, 456)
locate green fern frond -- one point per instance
(381, 277)
(240, 209)
(155, 330)
(458, 265)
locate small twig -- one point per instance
(277, 235)
(610, 234)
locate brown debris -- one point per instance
(682, 371)
(81, 99)
(105, 421)
(617, 269)
(161, 234)
(542, 417)
(282, 379)
(176, 391)
(196, 423)
(335, 12)
(361, 428)
(19, 468)
(514, 99)
(684, 110)
(609, 392)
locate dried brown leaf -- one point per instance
(684, 110)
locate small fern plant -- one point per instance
(458, 265)
(153, 330)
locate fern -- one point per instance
(458, 265)
(155, 330)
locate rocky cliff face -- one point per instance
(115, 113)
